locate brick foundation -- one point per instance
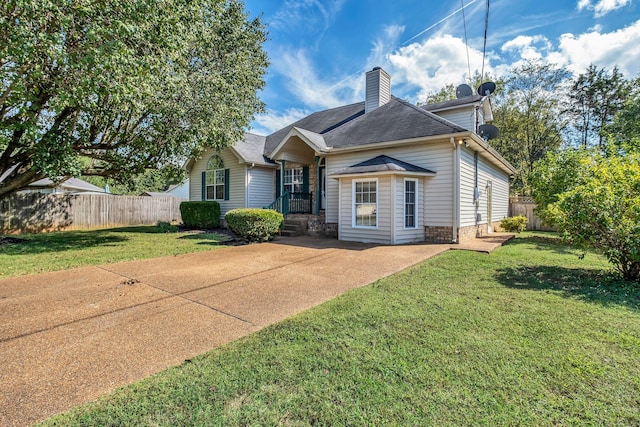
(317, 227)
(438, 234)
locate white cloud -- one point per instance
(312, 89)
(269, 122)
(528, 47)
(620, 47)
(602, 7)
(423, 68)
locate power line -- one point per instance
(484, 47)
(464, 21)
(439, 22)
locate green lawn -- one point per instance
(69, 249)
(530, 335)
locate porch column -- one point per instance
(282, 177)
(318, 185)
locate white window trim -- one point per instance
(215, 183)
(353, 203)
(290, 172)
(404, 204)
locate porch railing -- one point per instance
(300, 203)
(293, 203)
(281, 204)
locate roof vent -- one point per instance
(378, 89)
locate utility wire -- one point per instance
(439, 22)
(464, 21)
(484, 47)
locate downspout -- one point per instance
(455, 220)
(247, 184)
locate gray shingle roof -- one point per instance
(320, 122)
(397, 120)
(382, 164)
(251, 149)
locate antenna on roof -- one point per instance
(488, 132)
(486, 88)
(463, 91)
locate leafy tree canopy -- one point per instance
(527, 113)
(595, 97)
(127, 84)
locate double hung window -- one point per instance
(365, 203)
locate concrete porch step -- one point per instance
(293, 227)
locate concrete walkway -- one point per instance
(69, 337)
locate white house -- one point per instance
(382, 170)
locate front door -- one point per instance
(489, 208)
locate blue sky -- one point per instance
(320, 49)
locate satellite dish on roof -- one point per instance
(488, 132)
(486, 88)
(463, 91)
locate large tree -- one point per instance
(595, 97)
(111, 87)
(623, 133)
(528, 115)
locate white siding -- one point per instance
(381, 234)
(486, 172)
(500, 191)
(436, 197)
(467, 179)
(237, 173)
(461, 117)
(260, 187)
(408, 235)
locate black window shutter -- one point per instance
(226, 184)
(305, 179)
(278, 183)
(204, 186)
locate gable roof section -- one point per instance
(395, 121)
(71, 184)
(251, 150)
(312, 139)
(383, 165)
(319, 123)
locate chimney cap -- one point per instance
(376, 68)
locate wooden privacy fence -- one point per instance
(519, 205)
(35, 212)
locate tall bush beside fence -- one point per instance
(525, 206)
(200, 214)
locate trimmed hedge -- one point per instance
(514, 224)
(205, 215)
(255, 225)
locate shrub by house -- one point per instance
(255, 225)
(204, 215)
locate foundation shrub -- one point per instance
(255, 225)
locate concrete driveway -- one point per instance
(68, 337)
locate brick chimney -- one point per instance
(378, 89)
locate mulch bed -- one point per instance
(232, 238)
(5, 240)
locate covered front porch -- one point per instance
(300, 180)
